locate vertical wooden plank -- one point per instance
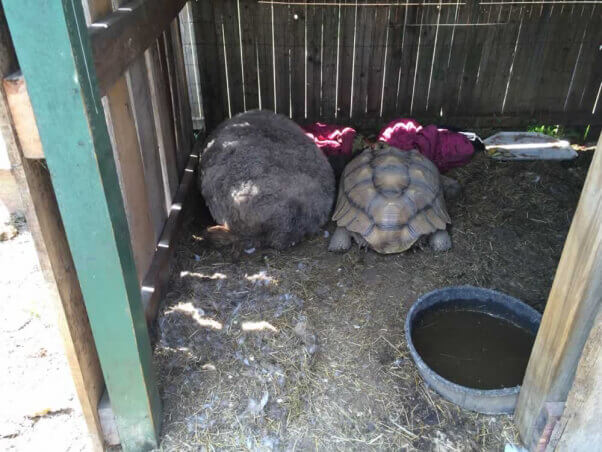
(363, 48)
(297, 58)
(431, 15)
(440, 67)
(247, 10)
(534, 45)
(142, 111)
(473, 59)
(265, 49)
(330, 61)
(376, 66)
(485, 33)
(282, 39)
(587, 53)
(43, 220)
(456, 58)
(129, 159)
(182, 92)
(522, 73)
(556, 60)
(85, 181)
(346, 58)
(233, 54)
(178, 93)
(127, 152)
(570, 311)
(191, 63)
(163, 122)
(222, 57)
(507, 39)
(591, 95)
(580, 423)
(211, 63)
(119, 115)
(315, 41)
(396, 27)
(409, 58)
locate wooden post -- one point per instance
(57, 64)
(573, 302)
(48, 233)
(579, 427)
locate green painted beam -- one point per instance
(53, 49)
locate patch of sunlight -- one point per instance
(191, 311)
(259, 326)
(261, 278)
(216, 275)
(244, 192)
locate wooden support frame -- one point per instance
(23, 117)
(155, 281)
(64, 94)
(573, 303)
(120, 37)
(48, 233)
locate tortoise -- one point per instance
(389, 199)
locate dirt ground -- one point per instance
(38, 406)
(305, 350)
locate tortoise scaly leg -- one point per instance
(440, 241)
(340, 241)
(451, 187)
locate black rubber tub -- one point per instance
(476, 300)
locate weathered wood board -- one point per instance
(364, 61)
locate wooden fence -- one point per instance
(497, 61)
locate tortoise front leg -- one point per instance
(340, 241)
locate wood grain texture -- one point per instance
(447, 60)
(120, 37)
(142, 111)
(211, 67)
(331, 49)
(579, 427)
(155, 281)
(184, 117)
(347, 37)
(297, 57)
(128, 156)
(282, 42)
(163, 122)
(44, 223)
(22, 114)
(85, 181)
(247, 10)
(131, 172)
(572, 306)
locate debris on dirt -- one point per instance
(48, 412)
(313, 342)
(7, 232)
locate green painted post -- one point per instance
(52, 44)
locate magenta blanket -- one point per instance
(445, 148)
(331, 139)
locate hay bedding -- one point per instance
(304, 349)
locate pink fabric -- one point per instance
(331, 139)
(443, 147)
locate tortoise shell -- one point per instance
(390, 198)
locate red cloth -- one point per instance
(443, 147)
(331, 139)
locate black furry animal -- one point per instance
(263, 179)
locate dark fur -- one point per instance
(288, 182)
